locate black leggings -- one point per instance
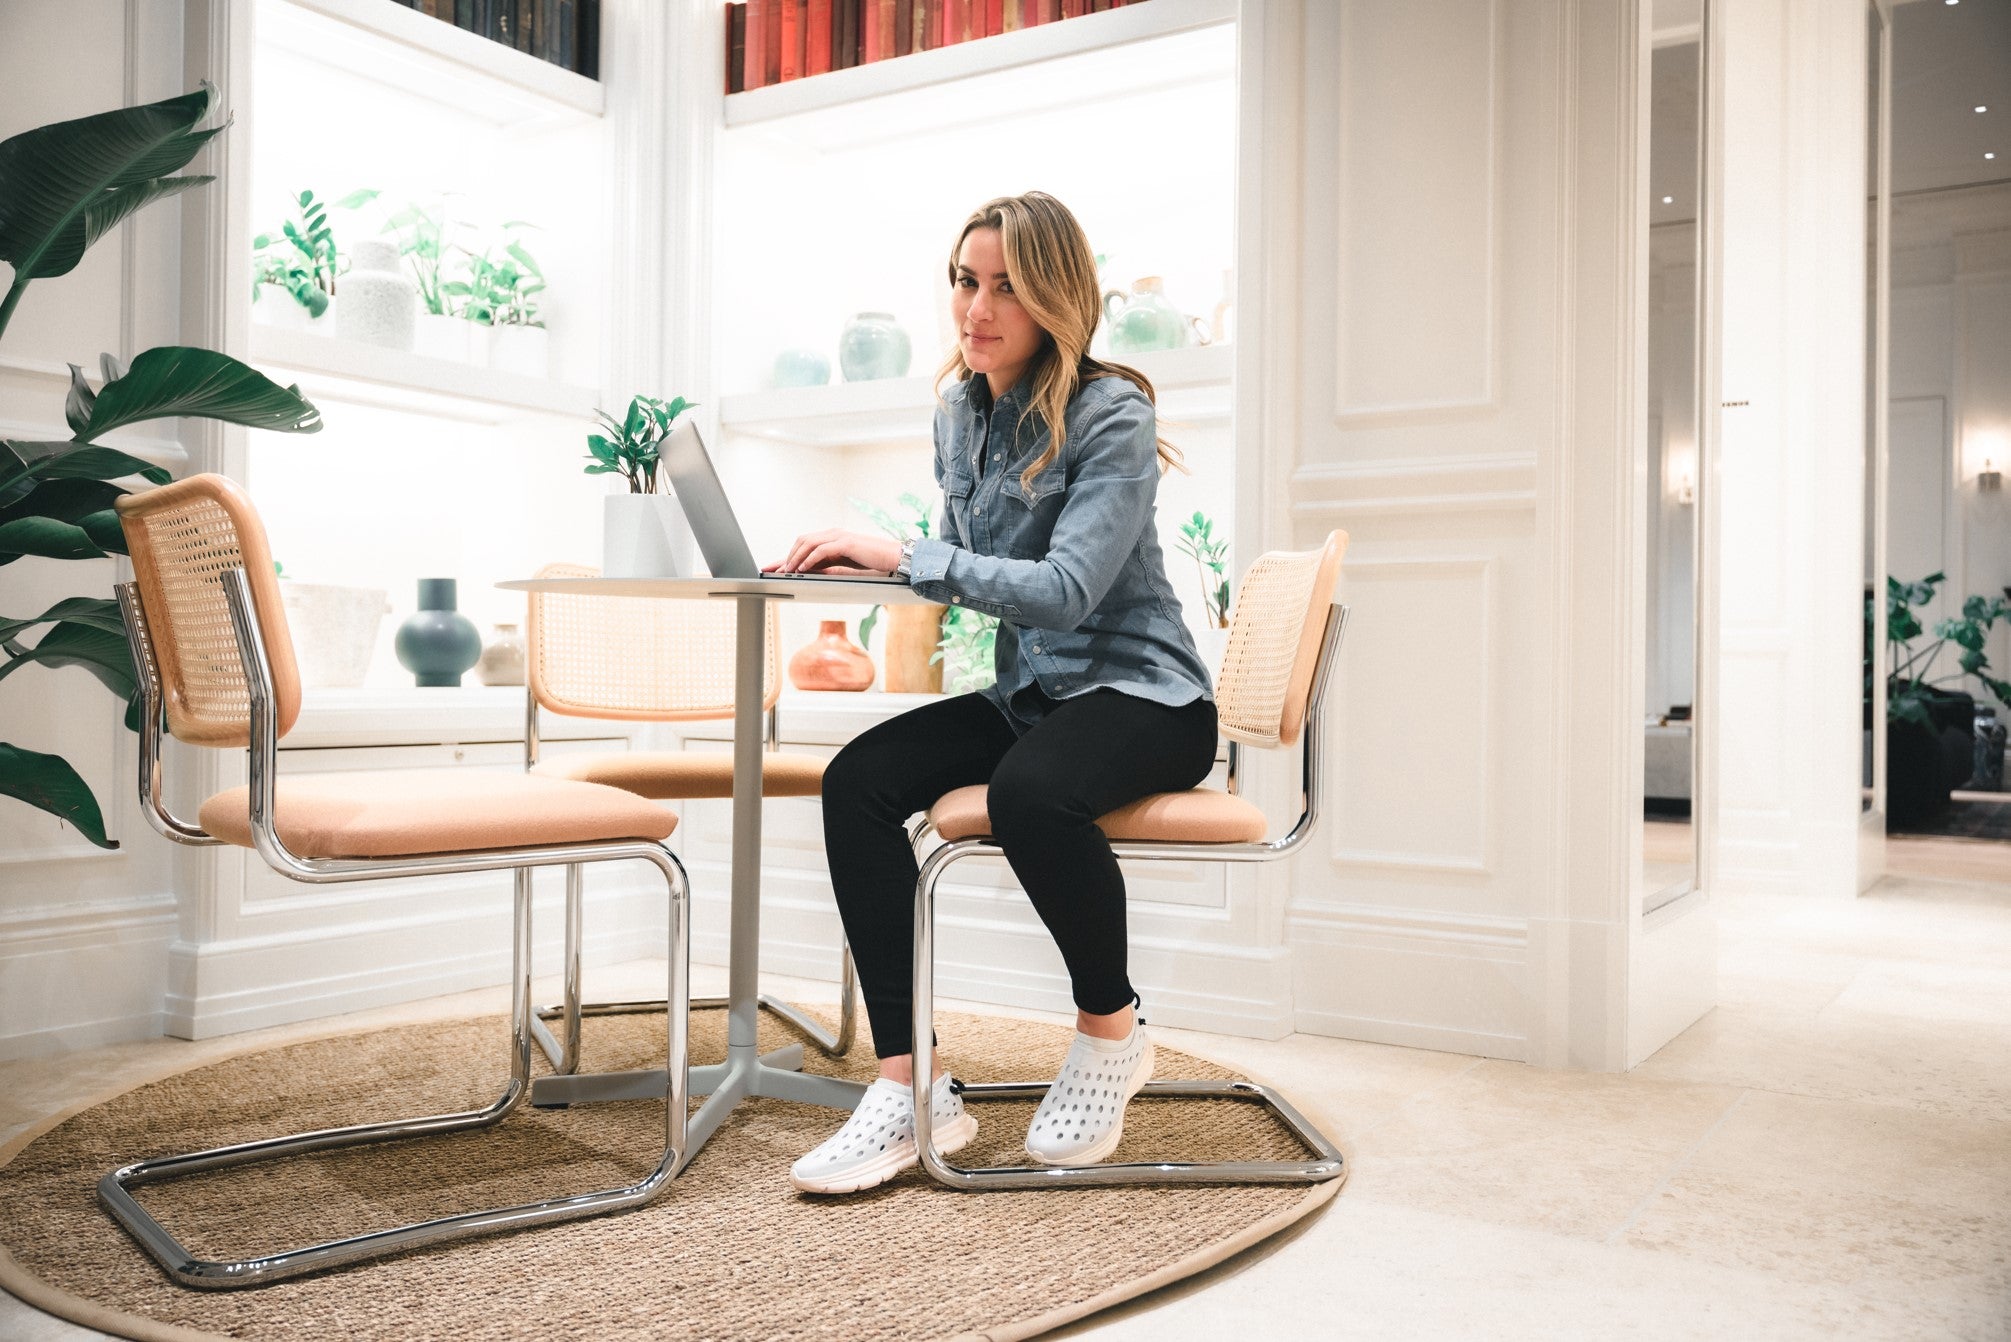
(1087, 756)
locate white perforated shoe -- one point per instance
(1081, 1119)
(878, 1140)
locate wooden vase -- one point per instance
(831, 661)
(913, 631)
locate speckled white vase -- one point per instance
(380, 302)
(334, 630)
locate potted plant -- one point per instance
(1211, 563)
(500, 297)
(294, 270)
(1930, 726)
(64, 186)
(914, 629)
(970, 642)
(644, 532)
(425, 239)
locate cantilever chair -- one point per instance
(1282, 642)
(209, 640)
(634, 659)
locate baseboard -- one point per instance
(225, 987)
(80, 976)
(1422, 979)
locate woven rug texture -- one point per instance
(729, 1251)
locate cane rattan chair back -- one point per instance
(183, 538)
(1266, 674)
(637, 659)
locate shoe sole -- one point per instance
(952, 1137)
(1099, 1150)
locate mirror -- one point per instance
(1676, 442)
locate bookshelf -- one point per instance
(342, 370)
(1088, 34)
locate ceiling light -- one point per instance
(1982, 109)
(1668, 200)
(1990, 156)
(1954, 2)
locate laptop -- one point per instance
(688, 466)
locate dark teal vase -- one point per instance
(438, 643)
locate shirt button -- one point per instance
(1036, 647)
(956, 601)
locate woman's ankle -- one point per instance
(1116, 1025)
(901, 1069)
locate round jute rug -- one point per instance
(730, 1251)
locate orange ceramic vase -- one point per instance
(831, 661)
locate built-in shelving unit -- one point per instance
(394, 379)
(970, 66)
(1193, 385)
(389, 44)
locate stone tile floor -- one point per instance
(1826, 1155)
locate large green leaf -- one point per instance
(48, 783)
(18, 459)
(63, 500)
(46, 538)
(85, 461)
(63, 185)
(105, 655)
(174, 380)
(97, 612)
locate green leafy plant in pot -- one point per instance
(301, 257)
(914, 629)
(644, 532)
(62, 187)
(1928, 722)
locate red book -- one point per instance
(757, 41)
(886, 26)
(791, 41)
(817, 52)
(904, 27)
(1048, 10)
(845, 37)
(994, 18)
(771, 44)
(869, 31)
(932, 24)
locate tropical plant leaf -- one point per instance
(866, 623)
(104, 530)
(77, 406)
(85, 461)
(45, 538)
(59, 181)
(48, 783)
(64, 500)
(105, 655)
(172, 380)
(96, 612)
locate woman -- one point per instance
(1049, 461)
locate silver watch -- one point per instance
(906, 567)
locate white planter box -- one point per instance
(520, 349)
(646, 536)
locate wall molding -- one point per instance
(1483, 482)
(84, 975)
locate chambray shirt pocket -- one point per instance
(1028, 511)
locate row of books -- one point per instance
(774, 41)
(564, 32)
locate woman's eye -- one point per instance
(1006, 288)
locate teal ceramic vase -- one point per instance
(801, 368)
(1144, 320)
(873, 347)
(438, 643)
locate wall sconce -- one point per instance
(1989, 452)
(1681, 474)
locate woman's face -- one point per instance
(999, 338)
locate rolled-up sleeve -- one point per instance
(1112, 463)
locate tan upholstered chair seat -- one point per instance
(675, 775)
(1200, 815)
(413, 812)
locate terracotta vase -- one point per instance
(912, 635)
(831, 661)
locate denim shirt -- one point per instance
(1071, 565)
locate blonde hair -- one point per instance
(1053, 274)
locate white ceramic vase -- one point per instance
(441, 336)
(380, 302)
(480, 336)
(646, 536)
(334, 631)
(1211, 642)
(524, 350)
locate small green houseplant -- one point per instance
(970, 642)
(302, 257)
(632, 446)
(62, 187)
(1211, 562)
(644, 532)
(1929, 730)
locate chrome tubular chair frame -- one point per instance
(563, 1050)
(1327, 1162)
(115, 1189)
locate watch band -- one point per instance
(906, 568)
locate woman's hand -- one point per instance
(839, 552)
